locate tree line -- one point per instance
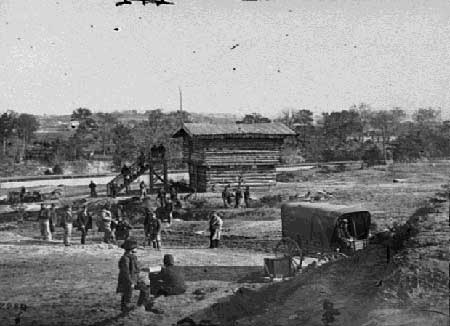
(362, 133)
(16, 133)
(358, 133)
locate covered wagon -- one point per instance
(323, 227)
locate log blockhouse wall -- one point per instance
(217, 155)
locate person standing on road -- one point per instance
(229, 196)
(106, 221)
(225, 196)
(143, 189)
(53, 217)
(92, 187)
(83, 224)
(128, 274)
(169, 211)
(238, 197)
(215, 229)
(154, 231)
(162, 197)
(44, 223)
(113, 189)
(23, 192)
(247, 196)
(67, 222)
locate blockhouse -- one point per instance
(220, 154)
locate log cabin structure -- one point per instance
(220, 154)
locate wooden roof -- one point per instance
(233, 129)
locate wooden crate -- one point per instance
(278, 267)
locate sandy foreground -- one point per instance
(76, 285)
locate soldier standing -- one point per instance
(113, 189)
(22, 194)
(225, 196)
(67, 221)
(143, 189)
(154, 231)
(106, 221)
(162, 197)
(215, 229)
(128, 274)
(83, 223)
(44, 223)
(169, 211)
(238, 197)
(247, 196)
(92, 187)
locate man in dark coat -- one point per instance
(22, 194)
(225, 196)
(162, 197)
(169, 211)
(170, 281)
(44, 222)
(83, 223)
(143, 189)
(247, 197)
(229, 195)
(126, 177)
(113, 189)
(128, 274)
(92, 187)
(153, 231)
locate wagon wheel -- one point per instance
(287, 247)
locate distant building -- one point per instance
(220, 154)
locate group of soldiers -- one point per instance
(114, 226)
(49, 219)
(238, 194)
(169, 281)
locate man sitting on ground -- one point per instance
(170, 281)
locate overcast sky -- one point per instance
(321, 55)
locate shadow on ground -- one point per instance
(242, 274)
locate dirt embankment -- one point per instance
(362, 290)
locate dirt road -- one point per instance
(76, 285)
